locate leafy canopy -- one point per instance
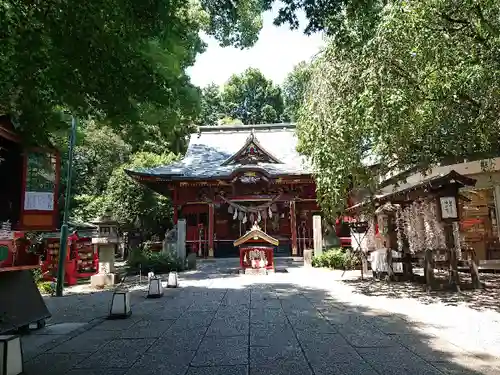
(294, 89)
(252, 98)
(422, 88)
(108, 59)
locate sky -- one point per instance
(278, 50)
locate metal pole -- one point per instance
(64, 227)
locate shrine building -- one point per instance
(234, 176)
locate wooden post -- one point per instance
(454, 279)
(293, 224)
(174, 204)
(210, 230)
(390, 271)
(429, 270)
(474, 270)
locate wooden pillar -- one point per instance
(174, 204)
(454, 279)
(293, 224)
(429, 269)
(211, 230)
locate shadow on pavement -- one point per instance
(480, 299)
(243, 326)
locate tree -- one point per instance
(107, 59)
(421, 90)
(212, 108)
(133, 203)
(294, 88)
(252, 98)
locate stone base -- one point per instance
(255, 271)
(103, 279)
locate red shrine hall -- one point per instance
(233, 177)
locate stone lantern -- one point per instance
(106, 241)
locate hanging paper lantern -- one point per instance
(244, 219)
(252, 217)
(259, 218)
(235, 214)
(230, 209)
(270, 213)
(240, 215)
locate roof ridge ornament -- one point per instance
(252, 153)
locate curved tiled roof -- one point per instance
(213, 145)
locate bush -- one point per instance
(146, 260)
(46, 287)
(336, 258)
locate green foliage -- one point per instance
(294, 89)
(46, 287)
(145, 260)
(212, 109)
(109, 59)
(135, 205)
(252, 98)
(336, 259)
(37, 275)
(418, 91)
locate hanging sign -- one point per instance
(448, 207)
(38, 201)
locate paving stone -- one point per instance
(233, 312)
(366, 337)
(179, 339)
(272, 335)
(433, 349)
(171, 363)
(117, 354)
(229, 327)
(218, 370)
(222, 351)
(311, 325)
(266, 303)
(355, 367)
(467, 367)
(264, 355)
(116, 325)
(147, 329)
(264, 316)
(53, 363)
(322, 349)
(396, 361)
(89, 341)
(109, 371)
(280, 367)
(194, 319)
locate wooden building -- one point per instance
(234, 176)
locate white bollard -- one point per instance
(172, 280)
(155, 289)
(120, 305)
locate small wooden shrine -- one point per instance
(256, 250)
(417, 226)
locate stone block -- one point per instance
(308, 256)
(101, 280)
(255, 271)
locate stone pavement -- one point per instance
(301, 322)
